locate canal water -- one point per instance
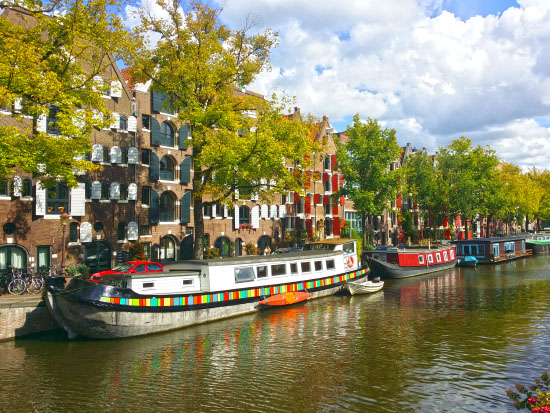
(451, 341)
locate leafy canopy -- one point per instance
(50, 52)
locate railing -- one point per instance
(512, 255)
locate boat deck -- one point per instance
(512, 255)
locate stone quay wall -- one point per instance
(23, 315)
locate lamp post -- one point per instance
(64, 221)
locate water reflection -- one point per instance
(445, 342)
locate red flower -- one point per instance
(532, 400)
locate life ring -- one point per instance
(349, 261)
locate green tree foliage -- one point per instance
(365, 163)
(50, 52)
(424, 185)
(468, 178)
(201, 65)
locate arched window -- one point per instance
(224, 246)
(167, 207)
(105, 190)
(166, 169)
(12, 256)
(244, 215)
(166, 134)
(26, 187)
(73, 232)
(57, 200)
(167, 249)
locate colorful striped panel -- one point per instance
(231, 295)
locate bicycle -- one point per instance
(35, 282)
(17, 285)
(4, 281)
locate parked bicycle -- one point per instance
(35, 282)
(17, 285)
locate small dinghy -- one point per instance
(283, 299)
(467, 261)
(364, 286)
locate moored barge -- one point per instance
(194, 292)
(493, 250)
(392, 262)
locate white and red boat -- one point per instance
(392, 262)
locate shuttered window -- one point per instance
(161, 102)
(183, 136)
(155, 132)
(185, 170)
(185, 208)
(154, 167)
(154, 207)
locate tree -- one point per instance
(468, 176)
(365, 163)
(424, 186)
(50, 53)
(238, 139)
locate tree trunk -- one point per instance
(465, 226)
(526, 223)
(364, 226)
(198, 245)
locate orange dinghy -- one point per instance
(283, 299)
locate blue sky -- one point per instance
(469, 8)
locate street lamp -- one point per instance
(64, 221)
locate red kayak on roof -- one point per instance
(282, 299)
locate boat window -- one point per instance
(187, 282)
(438, 257)
(318, 265)
(421, 259)
(244, 274)
(148, 285)
(430, 259)
(452, 254)
(278, 269)
(306, 266)
(261, 271)
(445, 256)
(293, 268)
(349, 247)
(330, 264)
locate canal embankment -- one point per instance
(22, 315)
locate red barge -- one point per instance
(392, 262)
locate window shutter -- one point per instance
(325, 176)
(342, 200)
(155, 132)
(336, 226)
(296, 197)
(335, 209)
(133, 155)
(236, 194)
(307, 204)
(116, 155)
(133, 233)
(154, 208)
(17, 183)
(317, 199)
(114, 191)
(335, 183)
(185, 208)
(86, 232)
(97, 85)
(183, 137)
(40, 199)
(282, 211)
(154, 166)
(115, 120)
(42, 123)
(273, 211)
(325, 200)
(255, 216)
(132, 192)
(116, 89)
(185, 170)
(265, 211)
(79, 120)
(97, 153)
(132, 124)
(78, 200)
(236, 217)
(333, 162)
(96, 190)
(309, 228)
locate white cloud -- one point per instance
(420, 69)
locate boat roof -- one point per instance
(252, 259)
(492, 239)
(333, 241)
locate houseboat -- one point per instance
(197, 291)
(492, 250)
(392, 262)
(539, 244)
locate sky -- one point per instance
(433, 70)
